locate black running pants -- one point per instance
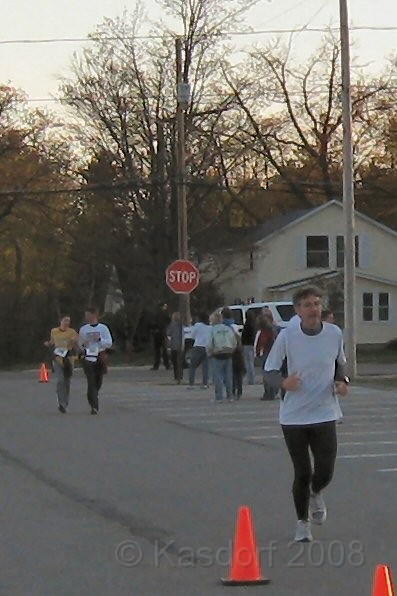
(320, 441)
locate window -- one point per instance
(368, 307)
(317, 251)
(286, 311)
(340, 251)
(257, 310)
(237, 316)
(383, 306)
(371, 302)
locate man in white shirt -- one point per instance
(94, 340)
(316, 375)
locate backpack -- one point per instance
(224, 340)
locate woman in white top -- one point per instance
(201, 333)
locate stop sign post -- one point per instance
(182, 277)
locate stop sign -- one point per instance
(182, 277)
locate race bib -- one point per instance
(92, 351)
(61, 352)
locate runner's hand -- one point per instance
(341, 388)
(292, 382)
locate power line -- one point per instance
(170, 36)
(140, 184)
(209, 96)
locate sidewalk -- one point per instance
(376, 369)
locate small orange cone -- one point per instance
(245, 569)
(44, 378)
(383, 584)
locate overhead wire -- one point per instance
(94, 38)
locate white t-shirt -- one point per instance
(313, 357)
(295, 320)
(201, 333)
(95, 339)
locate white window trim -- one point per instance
(375, 307)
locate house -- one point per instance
(307, 247)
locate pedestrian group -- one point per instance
(90, 345)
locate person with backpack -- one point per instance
(222, 344)
(238, 365)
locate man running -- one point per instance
(316, 367)
(94, 339)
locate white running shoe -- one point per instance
(317, 508)
(303, 531)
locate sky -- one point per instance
(36, 68)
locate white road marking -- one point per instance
(388, 470)
(263, 437)
(348, 443)
(223, 412)
(369, 443)
(366, 432)
(368, 455)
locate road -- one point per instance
(142, 499)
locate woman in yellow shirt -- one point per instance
(63, 341)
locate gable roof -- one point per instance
(245, 238)
(299, 216)
(313, 279)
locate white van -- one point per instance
(281, 311)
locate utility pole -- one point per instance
(348, 196)
(182, 92)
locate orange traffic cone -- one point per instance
(245, 569)
(44, 378)
(383, 584)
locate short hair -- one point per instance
(326, 312)
(216, 317)
(203, 317)
(92, 309)
(305, 292)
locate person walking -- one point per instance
(201, 332)
(328, 316)
(238, 366)
(175, 334)
(63, 343)
(222, 343)
(263, 343)
(94, 339)
(159, 333)
(248, 335)
(309, 410)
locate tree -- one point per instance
(301, 141)
(123, 99)
(32, 214)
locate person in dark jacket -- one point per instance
(159, 333)
(175, 334)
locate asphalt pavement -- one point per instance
(143, 498)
